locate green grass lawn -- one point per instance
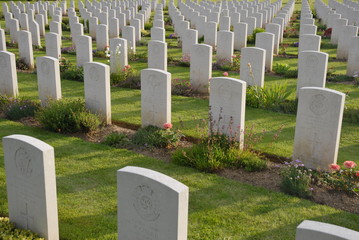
(219, 208)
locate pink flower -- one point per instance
(357, 174)
(225, 74)
(167, 125)
(335, 167)
(350, 164)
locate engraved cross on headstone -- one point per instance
(26, 216)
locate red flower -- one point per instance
(225, 74)
(167, 125)
(357, 174)
(335, 167)
(350, 164)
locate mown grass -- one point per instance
(219, 208)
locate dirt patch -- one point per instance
(269, 178)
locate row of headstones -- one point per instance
(344, 33)
(156, 98)
(96, 82)
(254, 61)
(149, 204)
(53, 41)
(76, 28)
(208, 29)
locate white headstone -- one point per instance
(48, 79)
(190, 37)
(353, 57)
(136, 23)
(227, 106)
(158, 34)
(318, 126)
(55, 27)
(309, 42)
(8, 75)
(275, 29)
(25, 48)
(157, 55)
(53, 48)
(14, 29)
(2, 40)
(252, 66)
(201, 67)
(114, 29)
(102, 40)
(93, 22)
(313, 230)
(308, 29)
(83, 50)
(128, 33)
(97, 89)
(345, 36)
(76, 31)
(210, 34)
(118, 56)
(35, 33)
(155, 97)
(31, 185)
(224, 46)
(41, 21)
(151, 205)
(265, 41)
(337, 28)
(251, 24)
(312, 69)
(240, 35)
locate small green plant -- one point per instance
(133, 57)
(8, 231)
(345, 179)
(12, 44)
(281, 68)
(148, 25)
(291, 32)
(182, 87)
(267, 97)
(201, 39)
(291, 73)
(17, 108)
(99, 54)
(296, 179)
(67, 116)
(185, 61)
(145, 33)
(217, 151)
(283, 49)
(236, 62)
(128, 77)
(252, 38)
(75, 73)
(117, 140)
(21, 64)
(351, 113)
(152, 136)
(65, 27)
(65, 64)
(339, 78)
